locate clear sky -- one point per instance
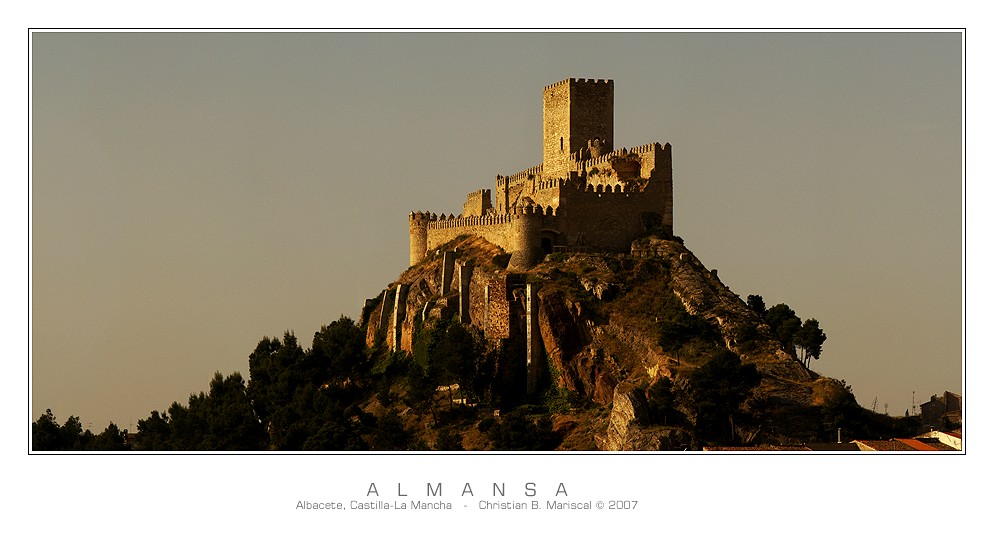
(195, 192)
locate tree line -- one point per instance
(805, 340)
(310, 399)
(339, 395)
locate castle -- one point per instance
(584, 196)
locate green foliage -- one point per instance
(389, 364)
(613, 264)
(746, 336)
(651, 269)
(220, 420)
(448, 440)
(335, 434)
(295, 399)
(336, 352)
(804, 341)
(72, 437)
(756, 303)
(486, 424)
(450, 352)
(661, 398)
(558, 399)
(677, 327)
(809, 340)
(840, 410)
(111, 439)
(45, 433)
(557, 257)
(517, 432)
(154, 433)
(420, 384)
(719, 388)
(231, 422)
(784, 323)
(391, 435)
(274, 374)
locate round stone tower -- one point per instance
(526, 234)
(418, 236)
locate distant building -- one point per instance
(942, 412)
(951, 438)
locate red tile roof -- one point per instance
(916, 444)
(904, 444)
(884, 445)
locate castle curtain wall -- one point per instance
(600, 219)
(496, 229)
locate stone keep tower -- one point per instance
(577, 121)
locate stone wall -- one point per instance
(477, 203)
(465, 274)
(495, 228)
(507, 189)
(600, 218)
(498, 309)
(556, 127)
(538, 190)
(575, 111)
(478, 298)
(592, 114)
(592, 198)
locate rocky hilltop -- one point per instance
(600, 348)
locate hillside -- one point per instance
(620, 339)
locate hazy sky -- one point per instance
(195, 192)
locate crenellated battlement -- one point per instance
(578, 80)
(450, 221)
(470, 221)
(607, 188)
(419, 216)
(587, 165)
(522, 176)
(584, 196)
(550, 183)
(533, 210)
(477, 203)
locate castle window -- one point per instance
(561, 144)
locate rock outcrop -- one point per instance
(628, 407)
(599, 332)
